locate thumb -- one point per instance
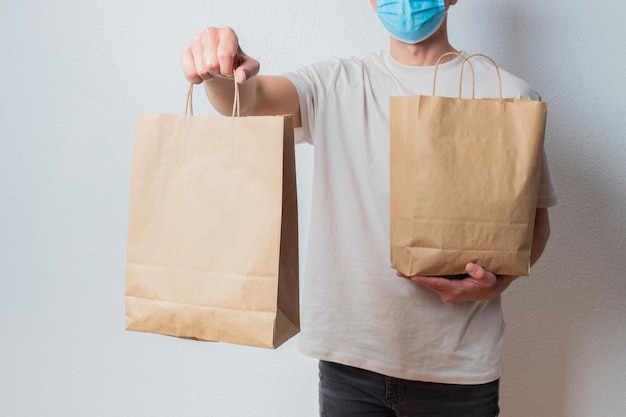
(246, 67)
(475, 271)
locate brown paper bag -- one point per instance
(464, 182)
(212, 234)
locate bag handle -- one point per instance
(439, 61)
(236, 106)
(467, 59)
(189, 101)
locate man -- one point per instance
(388, 346)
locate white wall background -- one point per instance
(74, 73)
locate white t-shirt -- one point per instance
(354, 309)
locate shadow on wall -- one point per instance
(565, 333)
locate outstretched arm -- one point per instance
(214, 56)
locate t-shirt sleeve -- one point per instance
(307, 94)
(547, 196)
(312, 83)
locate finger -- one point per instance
(203, 50)
(195, 59)
(227, 49)
(475, 270)
(189, 67)
(443, 287)
(246, 67)
(400, 275)
(434, 283)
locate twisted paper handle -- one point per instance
(467, 60)
(236, 101)
(473, 80)
(439, 61)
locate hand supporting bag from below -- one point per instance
(212, 237)
(464, 181)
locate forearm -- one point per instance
(263, 95)
(221, 94)
(541, 234)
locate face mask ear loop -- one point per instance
(473, 81)
(189, 104)
(437, 67)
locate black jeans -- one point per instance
(351, 392)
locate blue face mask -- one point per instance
(411, 21)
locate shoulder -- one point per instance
(348, 64)
(329, 73)
(512, 85)
(515, 87)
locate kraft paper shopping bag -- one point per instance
(212, 234)
(464, 182)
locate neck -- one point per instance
(425, 53)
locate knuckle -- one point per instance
(210, 31)
(191, 76)
(225, 54)
(196, 39)
(211, 64)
